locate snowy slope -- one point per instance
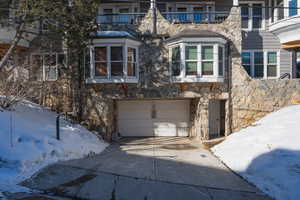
(34, 145)
(268, 153)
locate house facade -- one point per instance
(202, 69)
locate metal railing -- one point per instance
(215, 17)
(122, 18)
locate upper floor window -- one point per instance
(261, 64)
(293, 10)
(108, 61)
(197, 62)
(252, 16)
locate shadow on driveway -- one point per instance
(146, 169)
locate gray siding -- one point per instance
(285, 61)
(259, 40)
(265, 40)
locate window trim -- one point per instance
(265, 63)
(250, 20)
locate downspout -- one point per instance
(154, 16)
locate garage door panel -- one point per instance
(170, 124)
(177, 109)
(171, 118)
(179, 132)
(130, 115)
(134, 110)
(136, 131)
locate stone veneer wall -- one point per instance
(252, 99)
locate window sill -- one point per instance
(204, 79)
(113, 80)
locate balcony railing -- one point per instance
(196, 17)
(122, 18)
(215, 17)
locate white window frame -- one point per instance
(43, 77)
(250, 11)
(109, 78)
(265, 63)
(215, 77)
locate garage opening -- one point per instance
(217, 116)
(153, 118)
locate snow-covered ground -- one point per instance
(31, 143)
(268, 153)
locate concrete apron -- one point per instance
(148, 168)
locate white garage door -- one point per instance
(153, 118)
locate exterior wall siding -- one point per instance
(265, 40)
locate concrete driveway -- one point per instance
(146, 169)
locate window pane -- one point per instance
(100, 54)
(258, 64)
(62, 59)
(101, 69)
(37, 67)
(244, 10)
(176, 54)
(272, 57)
(207, 53)
(87, 63)
(116, 53)
(176, 61)
(191, 68)
(245, 22)
(246, 58)
(257, 9)
(50, 72)
(191, 53)
(131, 69)
(50, 60)
(272, 70)
(207, 68)
(117, 68)
(293, 8)
(175, 68)
(248, 69)
(221, 61)
(259, 71)
(258, 57)
(257, 22)
(131, 55)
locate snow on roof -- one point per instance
(113, 34)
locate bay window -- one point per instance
(261, 64)
(197, 62)
(112, 62)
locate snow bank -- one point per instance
(34, 145)
(268, 153)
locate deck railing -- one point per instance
(122, 18)
(215, 17)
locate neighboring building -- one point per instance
(175, 68)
